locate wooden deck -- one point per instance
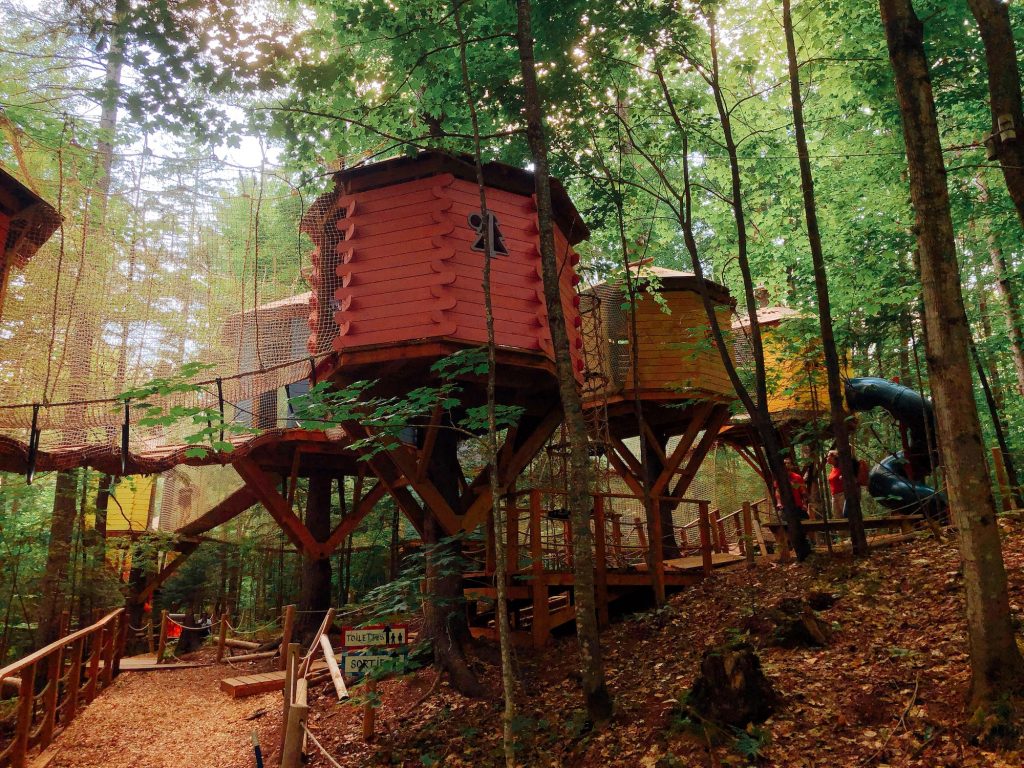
(259, 682)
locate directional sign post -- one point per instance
(377, 645)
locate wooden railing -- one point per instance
(55, 681)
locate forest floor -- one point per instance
(167, 719)
(887, 691)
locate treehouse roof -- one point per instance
(768, 316)
(32, 220)
(674, 280)
(382, 173)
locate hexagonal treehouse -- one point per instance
(397, 285)
(655, 380)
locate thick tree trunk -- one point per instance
(654, 467)
(595, 691)
(58, 557)
(446, 625)
(996, 665)
(993, 18)
(315, 590)
(847, 464)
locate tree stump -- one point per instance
(731, 688)
(798, 626)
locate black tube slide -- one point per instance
(895, 482)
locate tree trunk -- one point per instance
(993, 18)
(1011, 309)
(997, 427)
(847, 464)
(315, 591)
(491, 438)
(446, 625)
(996, 665)
(654, 467)
(595, 692)
(58, 555)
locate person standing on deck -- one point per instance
(835, 485)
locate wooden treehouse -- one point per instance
(397, 286)
(798, 398)
(26, 222)
(656, 378)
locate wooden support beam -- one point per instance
(351, 520)
(234, 505)
(671, 464)
(429, 440)
(184, 549)
(629, 477)
(626, 457)
(520, 448)
(713, 424)
(260, 483)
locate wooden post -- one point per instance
(617, 536)
(65, 623)
(489, 556)
(369, 710)
(286, 637)
(95, 651)
(122, 640)
(53, 671)
(704, 524)
(748, 534)
(74, 683)
(108, 641)
(539, 588)
(332, 666)
(291, 750)
(161, 646)
(684, 539)
(1005, 492)
(221, 637)
(641, 534)
(600, 554)
(151, 644)
(657, 552)
(23, 721)
(722, 541)
(291, 669)
(512, 535)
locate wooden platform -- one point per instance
(258, 682)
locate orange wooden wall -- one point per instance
(407, 272)
(675, 348)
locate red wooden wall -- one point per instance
(407, 270)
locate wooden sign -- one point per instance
(359, 663)
(375, 636)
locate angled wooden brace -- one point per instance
(184, 549)
(276, 504)
(513, 457)
(347, 525)
(232, 506)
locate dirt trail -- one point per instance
(163, 719)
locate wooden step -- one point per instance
(258, 682)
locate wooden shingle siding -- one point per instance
(404, 269)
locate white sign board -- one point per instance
(357, 664)
(374, 636)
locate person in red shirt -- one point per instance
(796, 481)
(835, 485)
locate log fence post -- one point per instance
(539, 589)
(748, 534)
(221, 637)
(369, 710)
(23, 719)
(291, 750)
(286, 637)
(704, 524)
(161, 646)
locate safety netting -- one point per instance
(184, 263)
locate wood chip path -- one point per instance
(166, 719)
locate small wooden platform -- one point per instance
(258, 682)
